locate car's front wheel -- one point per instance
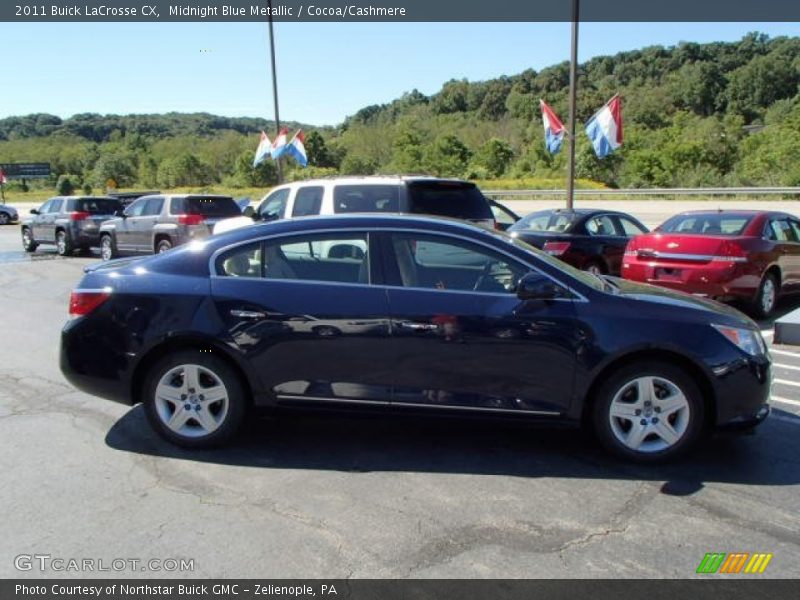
(107, 249)
(648, 412)
(194, 399)
(27, 240)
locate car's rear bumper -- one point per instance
(724, 280)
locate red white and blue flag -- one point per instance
(297, 148)
(263, 151)
(279, 145)
(553, 128)
(605, 128)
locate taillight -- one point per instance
(79, 216)
(730, 251)
(190, 219)
(82, 302)
(556, 248)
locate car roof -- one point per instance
(373, 180)
(729, 211)
(580, 211)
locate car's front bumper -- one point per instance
(742, 390)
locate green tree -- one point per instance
(494, 156)
(447, 156)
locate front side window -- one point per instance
(600, 225)
(153, 207)
(137, 208)
(45, 208)
(450, 264)
(308, 201)
(55, 205)
(796, 229)
(274, 205)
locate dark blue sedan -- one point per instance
(407, 314)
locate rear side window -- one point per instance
(213, 206)
(780, 231)
(448, 199)
(600, 225)
(711, 224)
(545, 221)
(308, 201)
(98, 206)
(366, 198)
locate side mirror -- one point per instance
(537, 287)
(34, 211)
(249, 211)
(120, 213)
(269, 217)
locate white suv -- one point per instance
(416, 195)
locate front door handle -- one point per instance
(248, 314)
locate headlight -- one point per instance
(747, 340)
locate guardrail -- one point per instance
(652, 192)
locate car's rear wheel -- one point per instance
(648, 412)
(194, 399)
(27, 240)
(107, 249)
(766, 297)
(162, 246)
(63, 243)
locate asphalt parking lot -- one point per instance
(336, 497)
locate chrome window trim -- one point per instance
(214, 275)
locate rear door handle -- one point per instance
(248, 314)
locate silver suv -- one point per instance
(157, 223)
(69, 222)
(399, 194)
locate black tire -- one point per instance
(108, 249)
(27, 240)
(763, 305)
(688, 422)
(5, 218)
(163, 245)
(230, 419)
(64, 245)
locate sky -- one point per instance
(326, 71)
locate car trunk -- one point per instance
(659, 247)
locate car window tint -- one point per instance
(710, 224)
(153, 207)
(244, 261)
(781, 230)
(629, 227)
(796, 230)
(446, 264)
(45, 208)
(98, 206)
(454, 199)
(366, 198)
(501, 216)
(339, 258)
(55, 205)
(274, 204)
(545, 221)
(600, 225)
(207, 206)
(308, 201)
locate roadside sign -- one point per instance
(26, 170)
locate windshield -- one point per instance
(583, 277)
(548, 220)
(706, 224)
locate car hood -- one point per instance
(650, 293)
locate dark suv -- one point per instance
(157, 223)
(69, 222)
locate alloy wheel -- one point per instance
(106, 252)
(649, 414)
(768, 294)
(61, 243)
(191, 400)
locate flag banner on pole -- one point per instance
(297, 148)
(263, 151)
(279, 145)
(553, 129)
(605, 128)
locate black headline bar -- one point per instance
(398, 10)
(730, 588)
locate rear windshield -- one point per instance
(208, 207)
(448, 199)
(366, 198)
(97, 206)
(545, 221)
(706, 224)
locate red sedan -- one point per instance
(726, 255)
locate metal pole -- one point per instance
(573, 90)
(274, 85)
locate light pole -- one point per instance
(573, 90)
(274, 85)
